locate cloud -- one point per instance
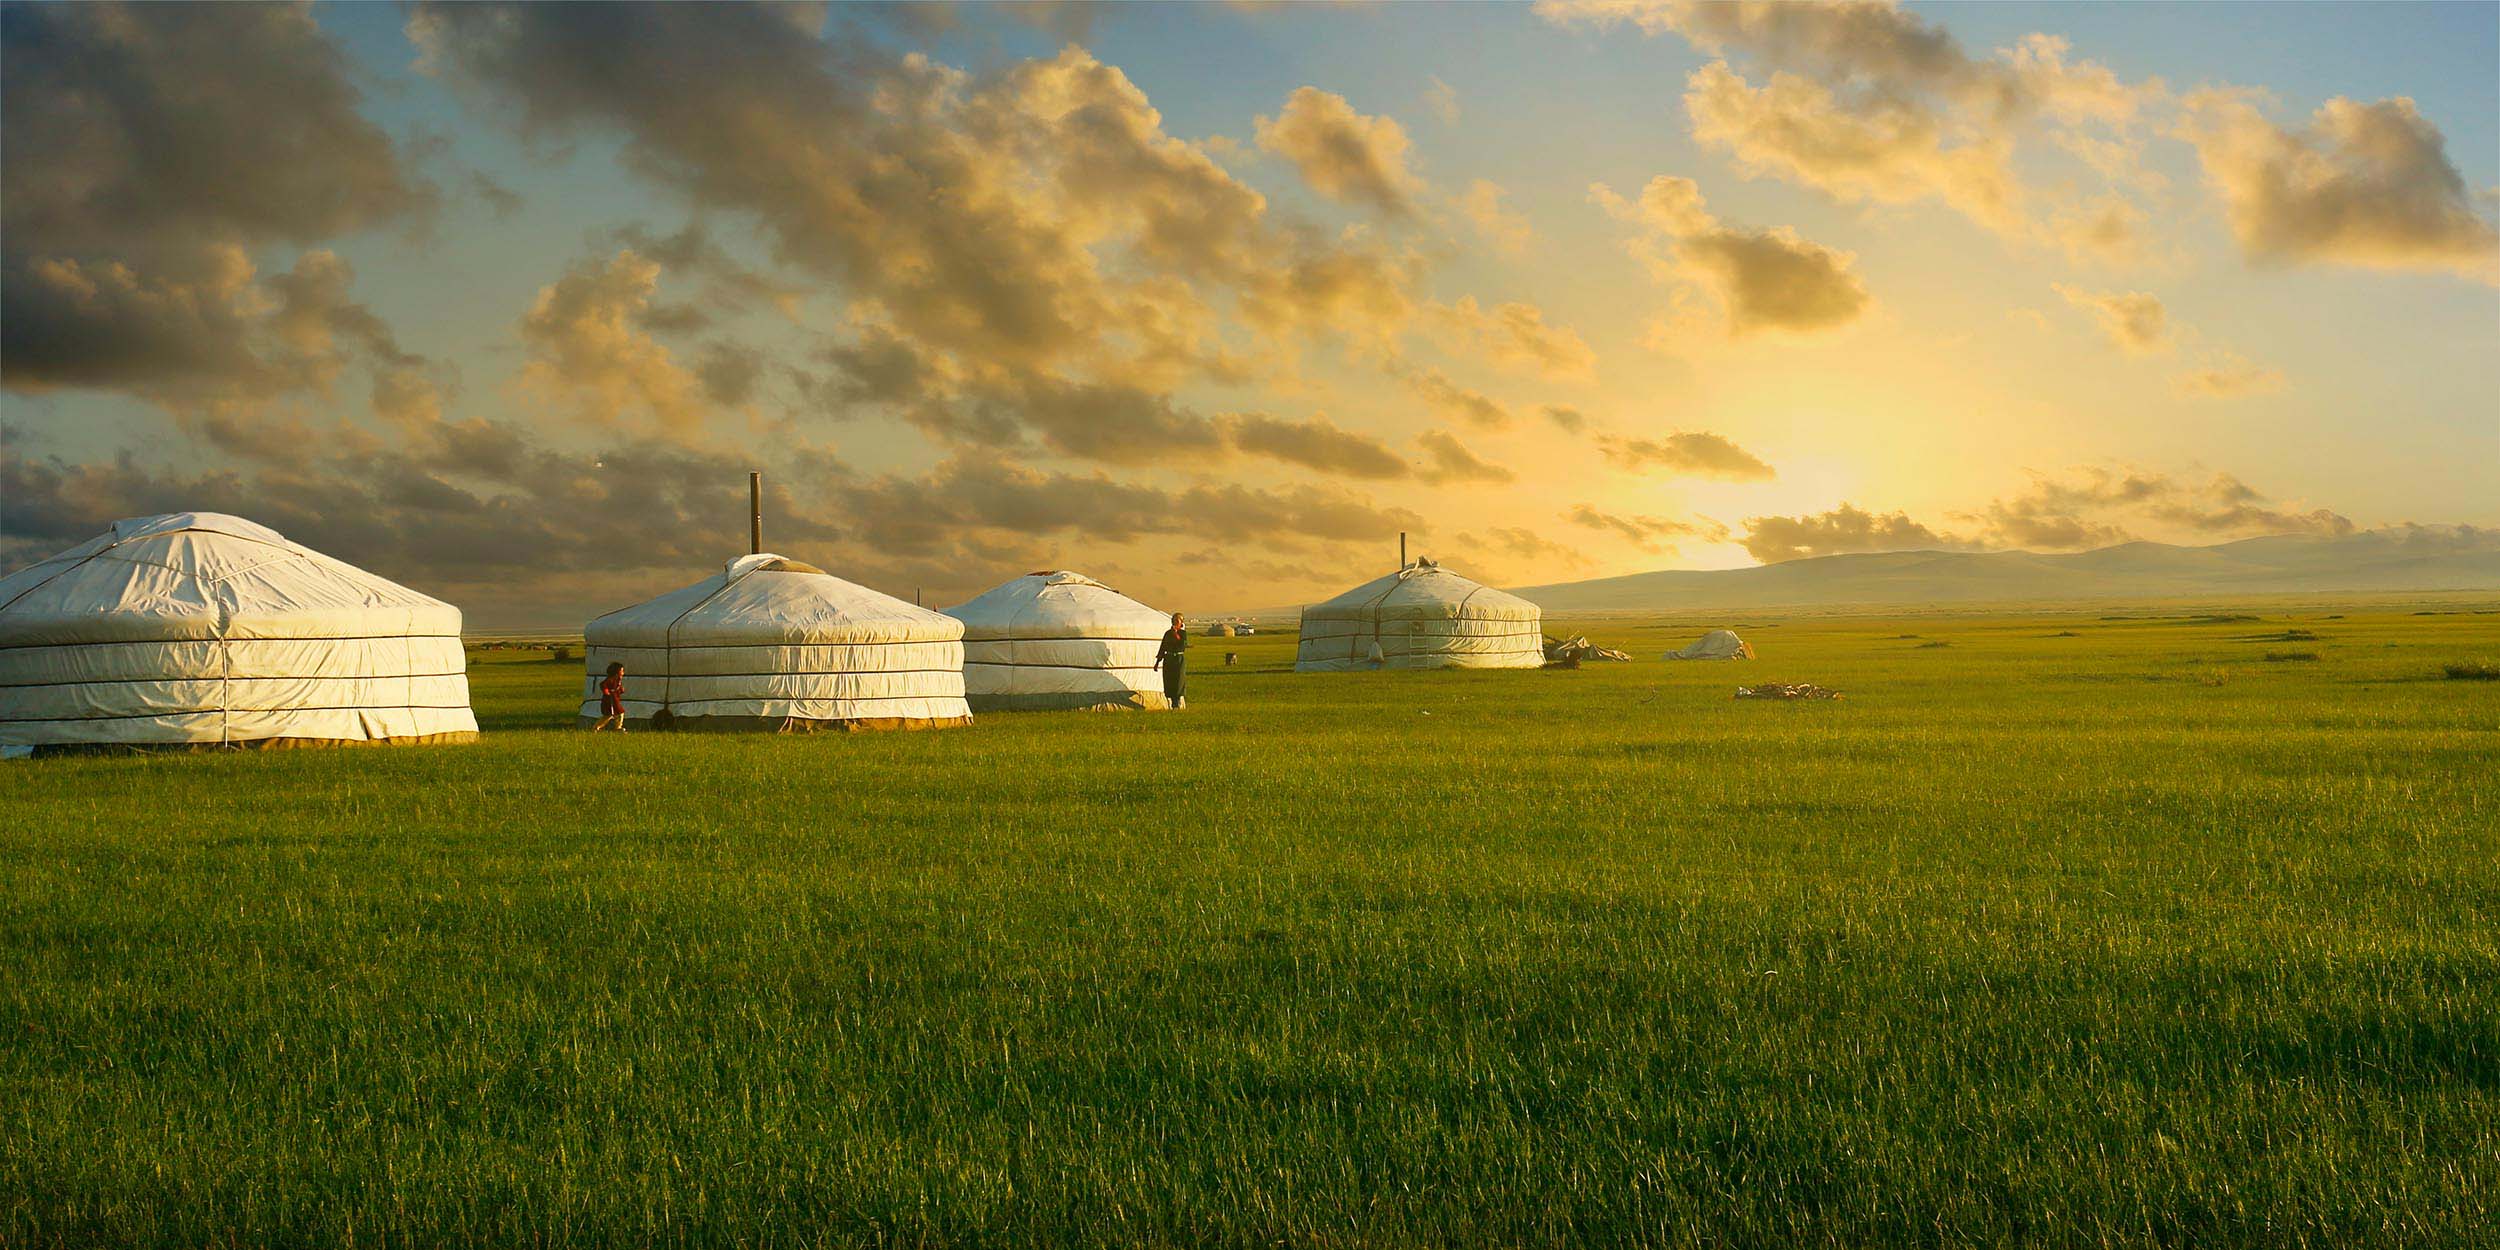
(156, 132)
(1516, 336)
(1845, 529)
(2227, 505)
(500, 200)
(1796, 129)
(1316, 444)
(1649, 533)
(588, 349)
(1068, 21)
(1700, 454)
(1452, 462)
(2366, 185)
(1034, 218)
(149, 150)
(729, 284)
(2227, 377)
(466, 507)
(1513, 555)
(1109, 422)
(919, 514)
(410, 517)
(878, 366)
(2080, 509)
(1343, 154)
(2110, 230)
(1508, 232)
(1333, 286)
(216, 352)
(1566, 418)
(729, 373)
(1442, 99)
(2136, 323)
(2133, 320)
(106, 325)
(1027, 259)
(1869, 102)
(1525, 544)
(2093, 506)
(1454, 402)
(1762, 279)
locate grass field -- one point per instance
(2072, 931)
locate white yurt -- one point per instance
(771, 643)
(1718, 644)
(201, 629)
(1060, 640)
(1422, 616)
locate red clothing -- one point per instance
(612, 695)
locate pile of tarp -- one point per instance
(1718, 644)
(1577, 648)
(1779, 690)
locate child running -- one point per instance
(612, 699)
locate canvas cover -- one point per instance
(1422, 616)
(771, 643)
(202, 629)
(1718, 644)
(1060, 640)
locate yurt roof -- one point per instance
(1424, 590)
(769, 598)
(1057, 604)
(205, 575)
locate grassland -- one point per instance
(2072, 932)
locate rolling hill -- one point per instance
(2411, 558)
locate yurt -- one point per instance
(1718, 644)
(201, 629)
(1422, 616)
(773, 644)
(1059, 640)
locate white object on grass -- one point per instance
(1060, 640)
(1422, 616)
(199, 628)
(772, 643)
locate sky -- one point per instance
(1214, 301)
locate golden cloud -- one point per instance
(1763, 279)
(1698, 453)
(2368, 185)
(1343, 154)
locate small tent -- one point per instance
(202, 629)
(1422, 616)
(771, 643)
(1718, 644)
(1058, 640)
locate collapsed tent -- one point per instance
(771, 643)
(1059, 640)
(202, 629)
(1422, 616)
(1578, 648)
(1718, 644)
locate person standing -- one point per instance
(1173, 658)
(612, 699)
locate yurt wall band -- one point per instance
(1422, 616)
(202, 629)
(1057, 641)
(772, 643)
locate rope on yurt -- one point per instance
(668, 637)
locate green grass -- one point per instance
(2126, 937)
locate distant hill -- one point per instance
(2412, 558)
